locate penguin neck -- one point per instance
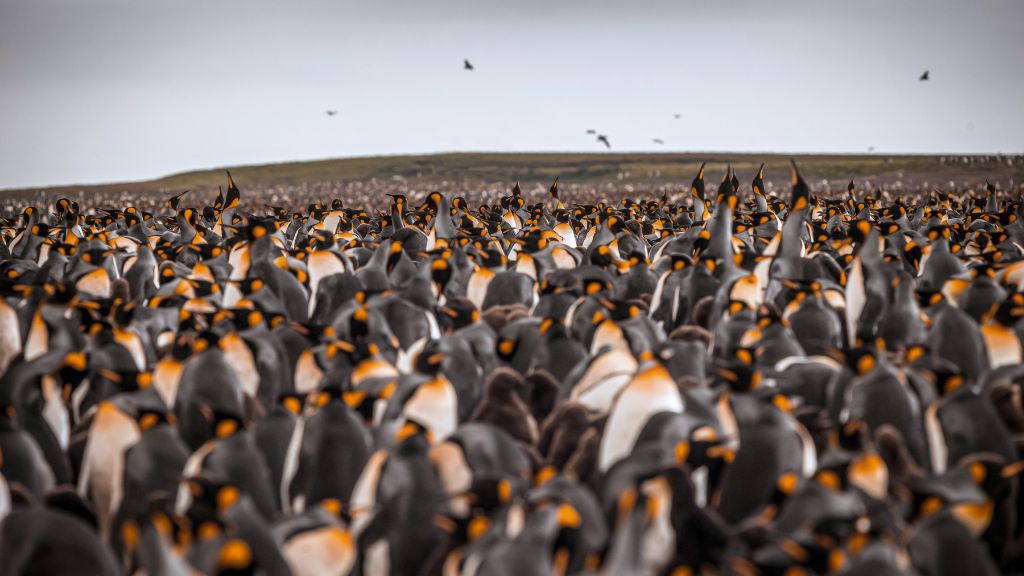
(397, 221)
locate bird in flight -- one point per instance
(591, 131)
(924, 77)
(658, 141)
(466, 65)
(871, 148)
(678, 116)
(330, 112)
(604, 140)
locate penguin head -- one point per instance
(727, 190)
(940, 232)
(440, 272)
(786, 485)
(915, 353)
(736, 308)
(429, 361)
(570, 524)
(1008, 312)
(533, 240)
(182, 348)
(259, 230)
(506, 347)
(740, 373)
(602, 256)
(292, 402)
(148, 419)
(769, 315)
(211, 499)
(697, 185)
(591, 286)
(704, 447)
(550, 328)
(222, 424)
(75, 368)
(928, 299)
(320, 240)
(800, 193)
(237, 319)
(860, 230)
(433, 201)
(133, 381)
(249, 286)
(489, 493)
(853, 435)
(488, 256)
(946, 378)
(205, 340)
(359, 324)
(413, 435)
(395, 253)
(861, 359)
(457, 313)
(616, 310)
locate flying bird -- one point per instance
(678, 116)
(924, 77)
(591, 131)
(331, 112)
(466, 65)
(658, 141)
(604, 140)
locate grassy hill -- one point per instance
(579, 168)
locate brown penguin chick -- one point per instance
(499, 316)
(121, 290)
(684, 355)
(583, 463)
(1004, 399)
(561, 434)
(494, 317)
(543, 394)
(503, 407)
(690, 333)
(702, 311)
(689, 383)
(533, 455)
(894, 452)
(817, 423)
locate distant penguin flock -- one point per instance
(820, 383)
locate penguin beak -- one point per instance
(1014, 469)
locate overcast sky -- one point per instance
(111, 90)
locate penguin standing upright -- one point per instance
(434, 404)
(652, 390)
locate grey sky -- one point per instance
(109, 90)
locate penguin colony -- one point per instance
(817, 384)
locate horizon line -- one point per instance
(645, 152)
